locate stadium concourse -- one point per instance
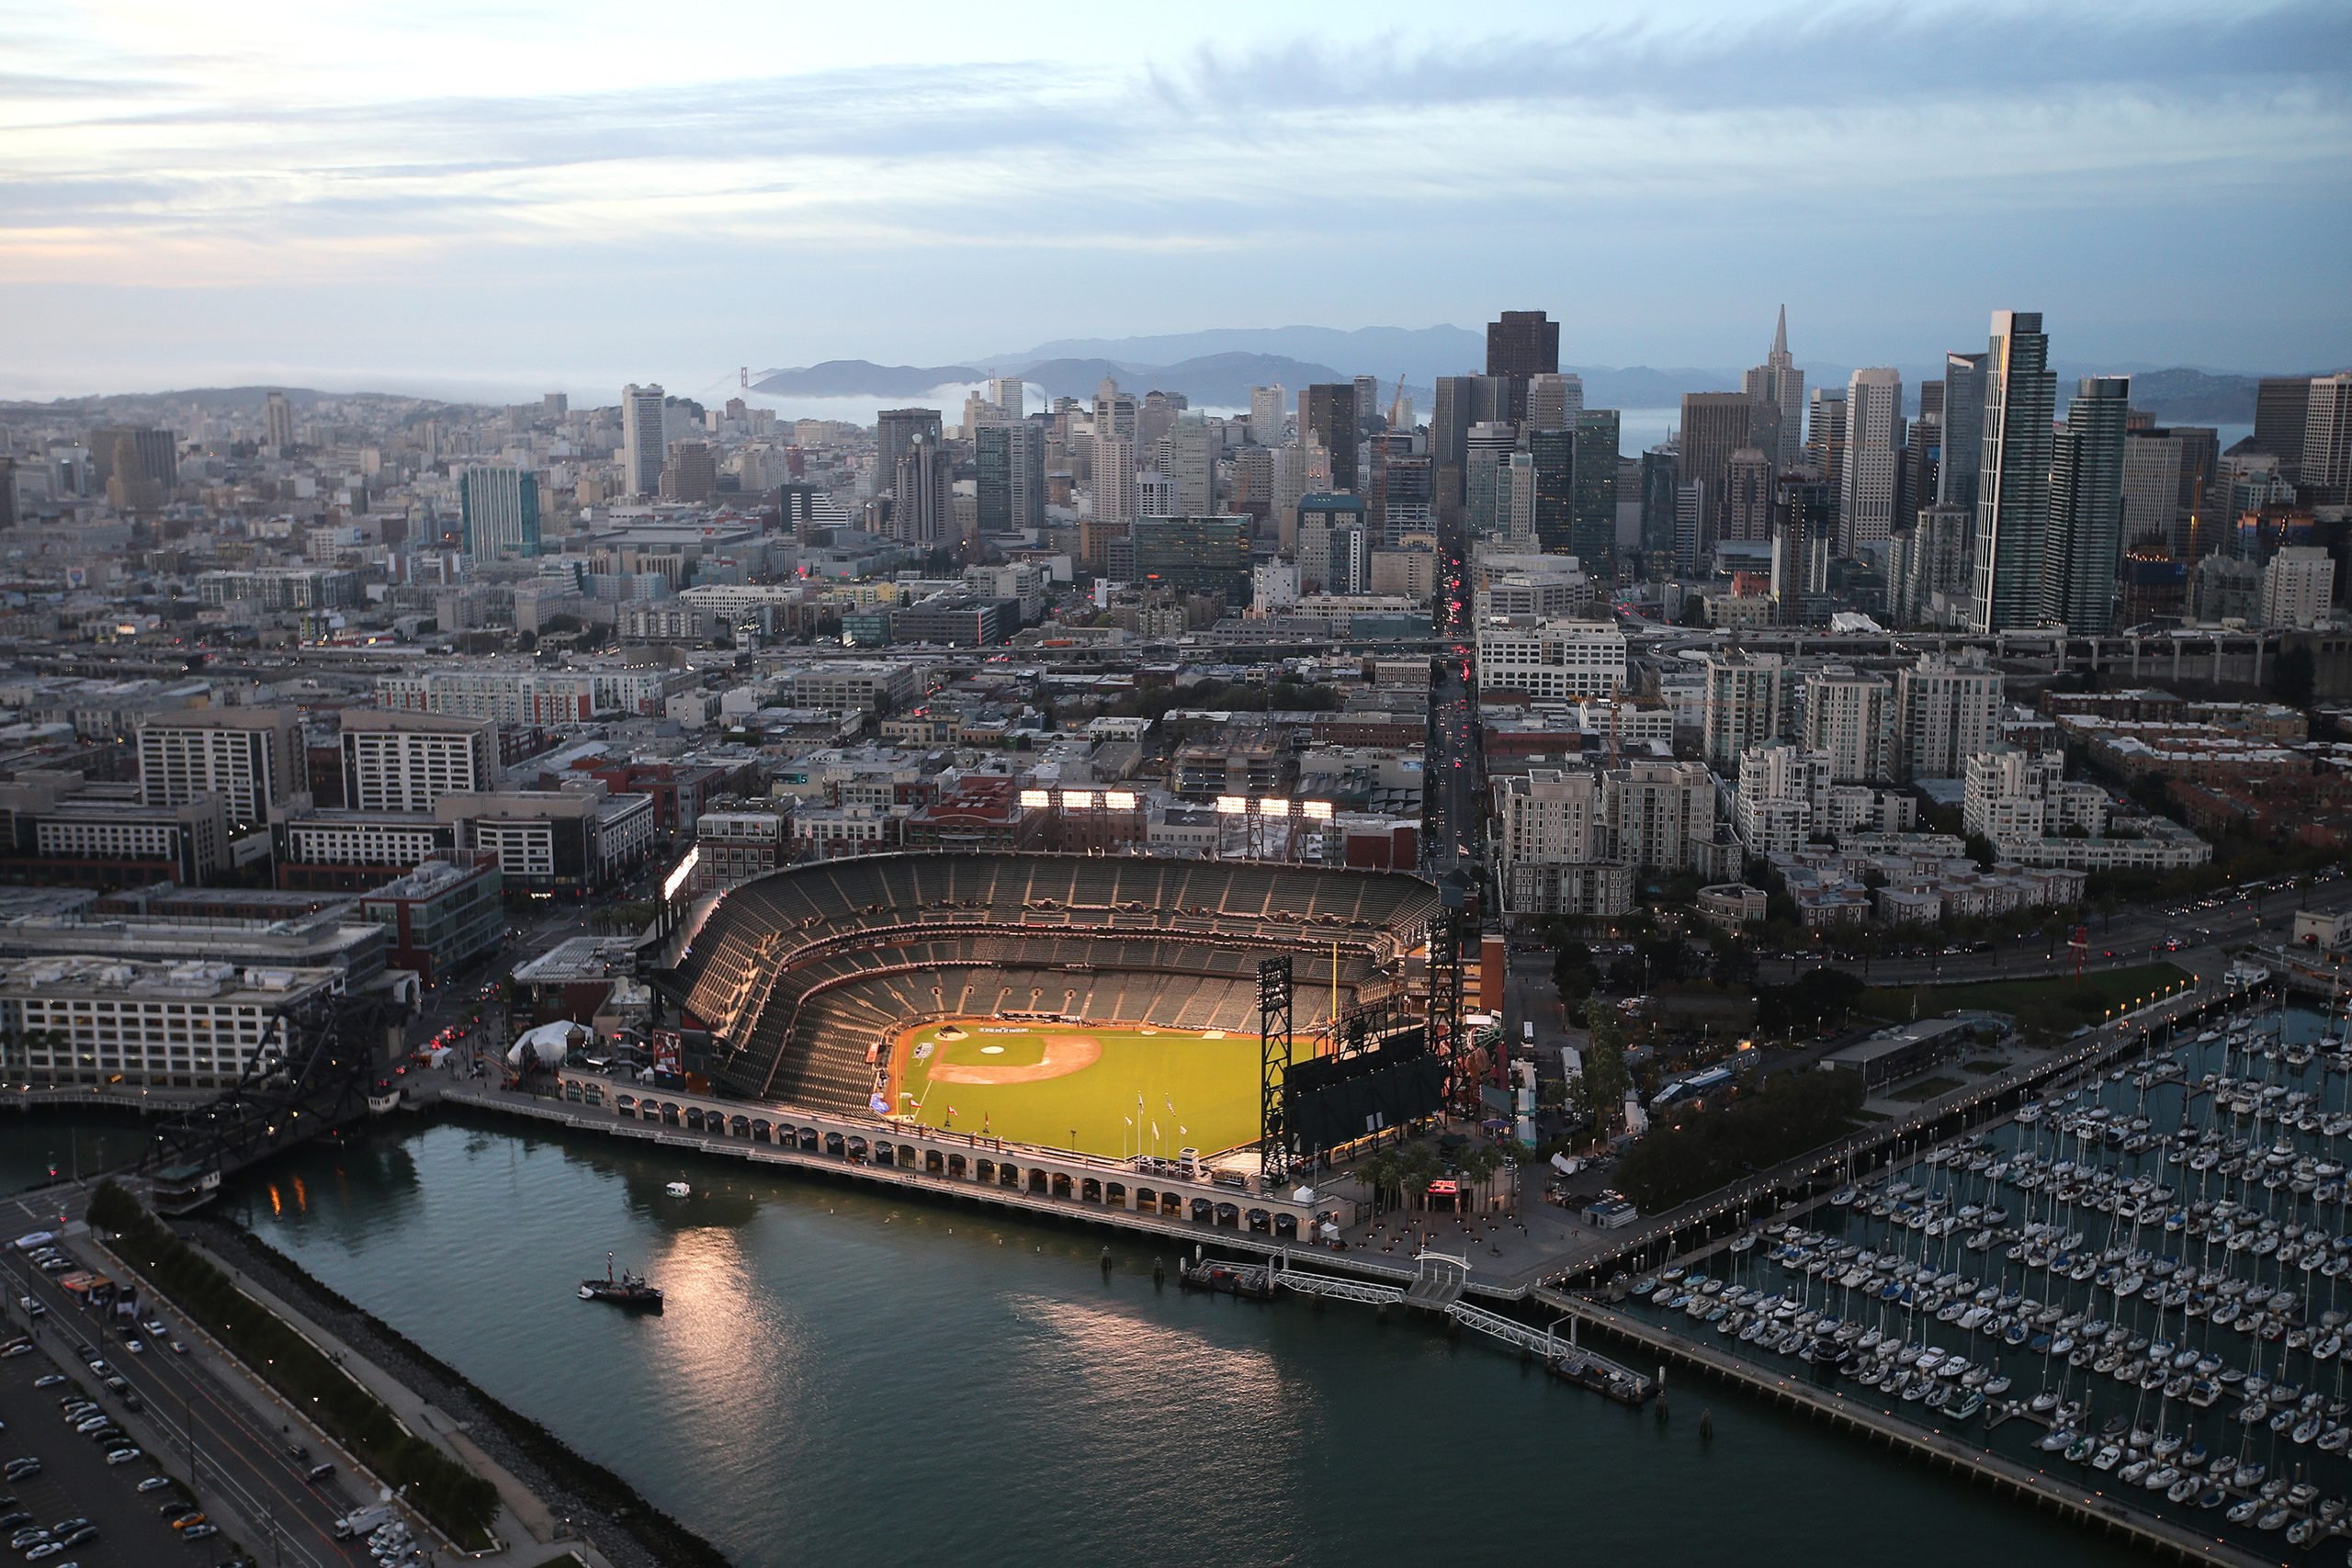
(811, 981)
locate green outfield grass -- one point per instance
(1212, 1085)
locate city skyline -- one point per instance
(338, 204)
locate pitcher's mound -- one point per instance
(1064, 1055)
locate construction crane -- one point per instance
(1397, 403)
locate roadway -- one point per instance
(203, 1420)
(2135, 936)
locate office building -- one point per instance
(1592, 536)
(1748, 496)
(403, 762)
(1962, 452)
(1553, 401)
(1825, 440)
(1946, 710)
(1550, 660)
(1661, 477)
(1551, 454)
(1803, 528)
(99, 1019)
(498, 508)
(1849, 721)
(1486, 457)
(896, 431)
(278, 424)
(1194, 554)
(1779, 382)
(689, 472)
(1010, 459)
(2299, 587)
(1334, 545)
(643, 441)
(1327, 417)
(1268, 413)
(1462, 402)
(2281, 407)
(441, 915)
(251, 758)
(1747, 702)
(2323, 472)
(922, 505)
(1009, 396)
(1874, 436)
(1716, 425)
(2084, 541)
(1194, 448)
(2013, 481)
(1523, 343)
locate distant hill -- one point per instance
(862, 378)
(2195, 396)
(1212, 380)
(1418, 354)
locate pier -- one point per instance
(2109, 1514)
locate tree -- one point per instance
(1606, 1077)
(1980, 850)
(1574, 972)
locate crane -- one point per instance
(1397, 403)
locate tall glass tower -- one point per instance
(2013, 477)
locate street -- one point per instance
(202, 1421)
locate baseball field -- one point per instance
(1112, 1090)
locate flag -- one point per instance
(951, 1111)
(1183, 1132)
(1128, 1120)
(1155, 1129)
(1172, 1105)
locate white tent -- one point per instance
(548, 1043)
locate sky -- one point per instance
(483, 200)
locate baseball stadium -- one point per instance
(1107, 1005)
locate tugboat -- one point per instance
(629, 1291)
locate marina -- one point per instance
(2133, 1289)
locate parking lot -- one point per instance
(75, 1481)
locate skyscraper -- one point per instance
(922, 489)
(1461, 401)
(1946, 710)
(1825, 440)
(1489, 453)
(1523, 343)
(1553, 401)
(1660, 477)
(1716, 425)
(2281, 405)
(2086, 527)
(1269, 407)
(2326, 462)
(1593, 534)
(498, 507)
(1804, 525)
(1961, 451)
(1778, 382)
(1553, 454)
(1009, 460)
(1193, 451)
(1008, 395)
(277, 423)
(689, 472)
(1866, 492)
(1327, 416)
(894, 430)
(642, 446)
(1114, 481)
(2013, 477)
(1748, 495)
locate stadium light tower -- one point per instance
(1274, 1061)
